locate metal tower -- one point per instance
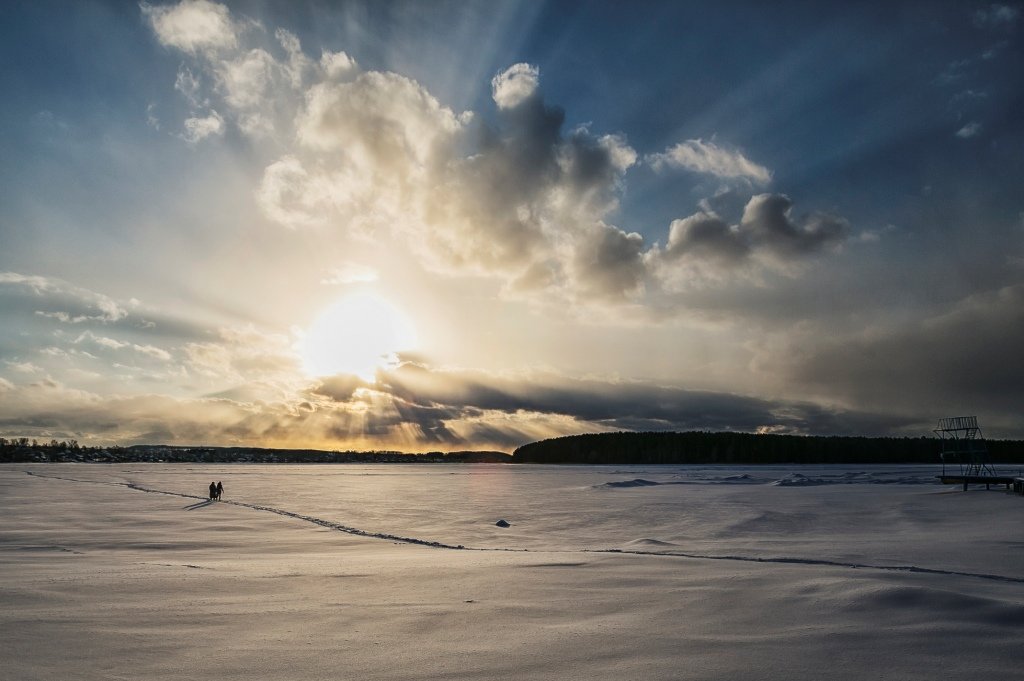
(964, 445)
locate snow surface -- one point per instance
(606, 572)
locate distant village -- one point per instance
(26, 450)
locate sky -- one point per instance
(471, 225)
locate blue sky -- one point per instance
(785, 217)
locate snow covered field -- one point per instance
(354, 572)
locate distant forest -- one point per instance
(745, 448)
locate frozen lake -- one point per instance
(655, 572)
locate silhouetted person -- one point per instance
(213, 491)
(220, 490)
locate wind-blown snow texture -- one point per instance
(399, 572)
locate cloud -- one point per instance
(515, 85)
(253, 89)
(969, 96)
(152, 351)
(704, 235)
(245, 354)
(337, 65)
(298, 63)
(707, 157)
(193, 26)
(245, 80)
(970, 130)
(289, 196)
(768, 222)
(198, 129)
(609, 263)
(379, 118)
(373, 154)
(412, 406)
(78, 305)
(767, 233)
(966, 360)
(350, 273)
(187, 83)
(997, 16)
(151, 118)
(595, 405)
(23, 367)
(379, 151)
(114, 344)
(73, 332)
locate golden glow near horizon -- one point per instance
(357, 334)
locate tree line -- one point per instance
(24, 450)
(698, 447)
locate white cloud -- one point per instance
(187, 83)
(707, 157)
(114, 344)
(192, 26)
(350, 273)
(102, 341)
(380, 118)
(84, 305)
(23, 367)
(374, 154)
(337, 65)
(970, 130)
(295, 197)
(514, 85)
(36, 283)
(622, 155)
(245, 80)
(284, 195)
(153, 351)
(243, 355)
(298, 62)
(151, 118)
(198, 129)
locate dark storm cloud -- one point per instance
(767, 223)
(706, 236)
(527, 144)
(766, 229)
(621, 405)
(610, 263)
(968, 359)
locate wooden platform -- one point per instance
(986, 480)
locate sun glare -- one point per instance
(356, 335)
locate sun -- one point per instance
(357, 334)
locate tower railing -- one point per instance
(963, 445)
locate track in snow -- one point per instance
(784, 560)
